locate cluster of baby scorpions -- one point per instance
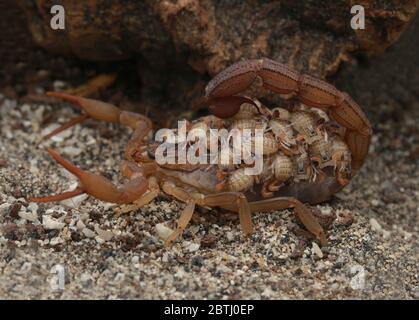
(310, 152)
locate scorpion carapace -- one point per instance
(308, 153)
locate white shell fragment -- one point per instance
(105, 235)
(4, 207)
(162, 231)
(316, 250)
(30, 216)
(75, 202)
(52, 224)
(192, 247)
(80, 225)
(375, 226)
(88, 233)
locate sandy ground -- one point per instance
(103, 256)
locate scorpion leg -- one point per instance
(93, 86)
(235, 201)
(171, 189)
(98, 186)
(128, 170)
(145, 199)
(182, 222)
(302, 212)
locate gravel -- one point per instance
(372, 251)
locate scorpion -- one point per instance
(309, 153)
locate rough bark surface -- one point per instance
(391, 78)
(178, 45)
(311, 36)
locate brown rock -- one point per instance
(191, 39)
(208, 241)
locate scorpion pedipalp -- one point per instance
(98, 186)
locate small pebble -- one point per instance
(162, 231)
(80, 225)
(375, 202)
(4, 207)
(119, 277)
(192, 247)
(386, 234)
(74, 202)
(55, 241)
(26, 267)
(86, 279)
(33, 207)
(316, 250)
(30, 216)
(375, 226)
(230, 236)
(71, 151)
(223, 269)
(52, 224)
(59, 85)
(88, 233)
(104, 234)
